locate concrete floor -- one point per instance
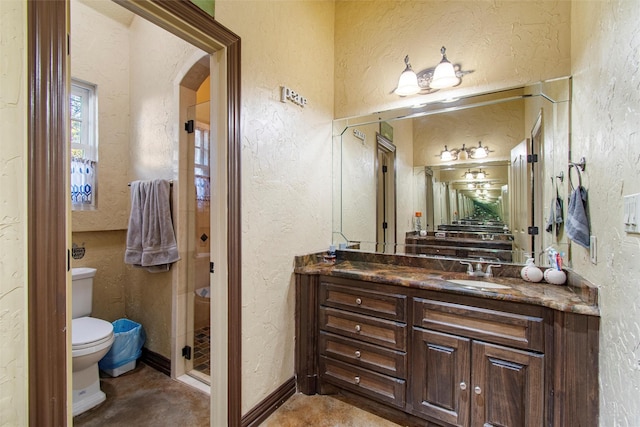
(145, 397)
(322, 411)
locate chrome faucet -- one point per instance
(477, 272)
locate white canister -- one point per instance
(530, 272)
(555, 277)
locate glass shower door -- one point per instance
(199, 232)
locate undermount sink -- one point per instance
(478, 284)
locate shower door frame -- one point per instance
(48, 206)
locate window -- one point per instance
(84, 145)
(201, 162)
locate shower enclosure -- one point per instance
(199, 235)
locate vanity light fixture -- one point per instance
(429, 80)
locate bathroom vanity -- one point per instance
(396, 336)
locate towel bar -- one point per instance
(170, 183)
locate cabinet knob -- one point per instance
(358, 301)
(463, 385)
(356, 380)
(358, 328)
(358, 354)
(477, 390)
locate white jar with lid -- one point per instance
(530, 272)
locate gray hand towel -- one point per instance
(577, 223)
(151, 241)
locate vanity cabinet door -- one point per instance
(507, 387)
(440, 376)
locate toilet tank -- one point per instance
(81, 291)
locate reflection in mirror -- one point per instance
(474, 177)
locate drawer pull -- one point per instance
(477, 390)
(358, 354)
(358, 301)
(356, 380)
(463, 385)
(358, 328)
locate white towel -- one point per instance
(151, 242)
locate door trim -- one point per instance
(48, 229)
(47, 234)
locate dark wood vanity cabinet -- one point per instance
(466, 382)
(363, 341)
(438, 359)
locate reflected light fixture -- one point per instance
(447, 155)
(463, 154)
(479, 152)
(408, 83)
(444, 75)
(475, 175)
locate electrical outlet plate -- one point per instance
(593, 253)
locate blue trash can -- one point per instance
(129, 337)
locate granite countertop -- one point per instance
(563, 298)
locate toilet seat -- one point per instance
(89, 335)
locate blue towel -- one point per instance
(555, 215)
(577, 223)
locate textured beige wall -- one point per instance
(606, 131)
(104, 251)
(100, 55)
(158, 61)
(137, 69)
(500, 127)
(286, 171)
(506, 43)
(13, 220)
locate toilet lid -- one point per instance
(86, 330)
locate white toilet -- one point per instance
(91, 339)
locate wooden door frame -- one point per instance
(48, 156)
(385, 146)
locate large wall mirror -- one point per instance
(471, 178)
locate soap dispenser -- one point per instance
(530, 272)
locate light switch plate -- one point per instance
(593, 252)
(631, 214)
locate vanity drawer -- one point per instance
(376, 358)
(438, 251)
(363, 381)
(524, 331)
(365, 328)
(353, 298)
